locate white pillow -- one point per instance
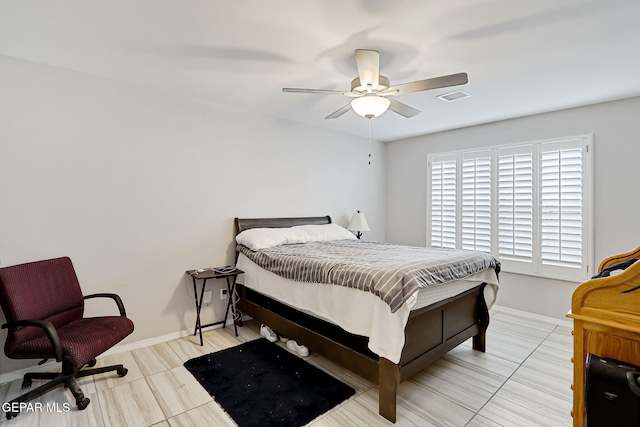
(262, 238)
(322, 233)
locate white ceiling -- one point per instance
(522, 57)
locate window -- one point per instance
(528, 204)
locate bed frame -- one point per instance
(430, 331)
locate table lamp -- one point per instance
(358, 224)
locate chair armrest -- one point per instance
(48, 329)
(114, 297)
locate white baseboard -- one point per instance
(53, 366)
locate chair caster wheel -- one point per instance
(26, 383)
(83, 403)
(122, 372)
(92, 363)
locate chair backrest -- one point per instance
(40, 290)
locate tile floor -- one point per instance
(522, 380)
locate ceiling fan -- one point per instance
(372, 92)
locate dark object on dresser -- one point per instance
(613, 393)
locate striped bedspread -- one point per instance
(392, 272)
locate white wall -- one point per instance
(616, 131)
(137, 186)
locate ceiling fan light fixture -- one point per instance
(370, 105)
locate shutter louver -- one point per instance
(476, 204)
(561, 207)
(443, 203)
(515, 199)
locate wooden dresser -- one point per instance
(606, 323)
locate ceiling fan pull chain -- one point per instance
(369, 120)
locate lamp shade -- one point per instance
(358, 222)
(370, 105)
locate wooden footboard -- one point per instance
(430, 333)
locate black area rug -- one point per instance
(261, 384)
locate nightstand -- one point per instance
(208, 274)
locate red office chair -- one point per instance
(44, 307)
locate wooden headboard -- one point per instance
(247, 223)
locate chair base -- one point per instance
(67, 378)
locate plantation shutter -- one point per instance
(529, 204)
(443, 181)
(561, 200)
(476, 201)
(515, 203)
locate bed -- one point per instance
(385, 345)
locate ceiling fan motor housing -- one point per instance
(383, 83)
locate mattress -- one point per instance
(358, 312)
(390, 271)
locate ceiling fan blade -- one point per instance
(427, 84)
(402, 109)
(320, 91)
(368, 62)
(339, 112)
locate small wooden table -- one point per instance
(205, 275)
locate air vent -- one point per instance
(454, 96)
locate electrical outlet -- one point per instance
(207, 297)
(223, 294)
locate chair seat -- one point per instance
(82, 340)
